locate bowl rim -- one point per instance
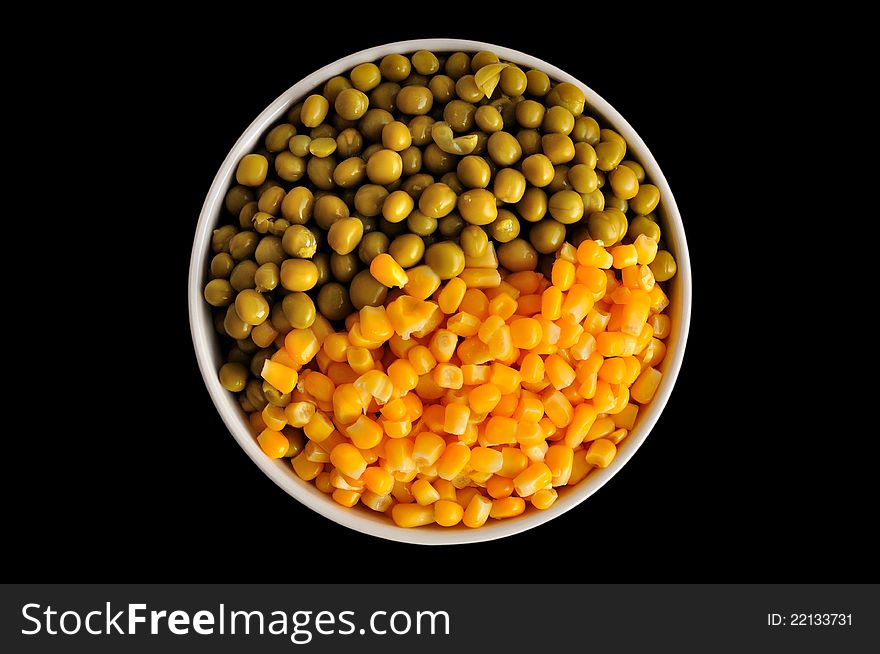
(204, 340)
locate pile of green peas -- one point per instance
(408, 156)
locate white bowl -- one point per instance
(362, 519)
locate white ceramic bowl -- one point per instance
(362, 519)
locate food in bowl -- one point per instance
(443, 281)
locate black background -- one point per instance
(129, 473)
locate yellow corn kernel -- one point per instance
(396, 409)
(279, 376)
(624, 255)
(375, 325)
(377, 480)
(499, 487)
(577, 303)
(347, 498)
(408, 315)
(451, 295)
(646, 385)
(507, 406)
(448, 513)
(615, 344)
(376, 384)
(601, 453)
(273, 417)
(442, 345)
(475, 302)
(473, 351)
(525, 333)
(463, 324)
(446, 488)
(626, 418)
(397, 428)
(507, 507)
(600, 429)
(453, 460)
(532, 369)
(347, 403)
(505, 378)
(529, 305)
(544, 498)
(456, 419)
(584, 415)
(318, 385)
(414, 406)
(659, 301)
(401, 492)
(398, 455)
(447, 375)
(490, 326)
(502, 305)
(273, 443)
(319, 427)
(660, 323)
(322, 483)
(422, 359)
(387, 271)
(551, 303)
(603, 398)
(514, 462)
(484, 459)
(359, 359)
(557, 407)
(365, 433)
(635, 312)
(480, 277)
(560, 459)
(595, 279)
(305, 469)
(423, 492)
(500, 430)
(335, 346)
(484, 398)
(298, 414)
(653, 353)
(422, 282)
(473, 375)
(580, 468)
(529, 433)
(562, 274)
(348, 460)
(501, 344)
(646, 249)
(403, 375)
(529, 409)
(477, 511)
(590, 253)
(380, 503)
(569, 333)
(633, 368)
(427, 449)
(412, 515)
(617, 435)
(560, 374)
(301, 345)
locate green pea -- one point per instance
(344, 266)
(366, 291)
(446, 259)
(267, 277)
(334, 302)
(243, 276)
(474, 241)
(251, 307)
(222, 265)
(505, 227)
(219, 293)
(299, 310)
(421, 224)
(407, 250)
(233, 377)
(371, 246)
(518, 255)
(547, 235)
(643, 225)
(663, 266)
